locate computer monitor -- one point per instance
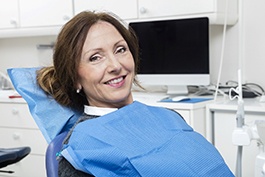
(173, 53)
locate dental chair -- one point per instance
(9, 156)
(55, 127)
(53, 149)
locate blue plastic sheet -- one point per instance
(142, 141)
(51, 117)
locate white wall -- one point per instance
(255, 41)
(252, 40)
(22, 52)
(230, 56)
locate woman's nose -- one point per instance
(113, 64)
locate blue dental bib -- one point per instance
(142, 141)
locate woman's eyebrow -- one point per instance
(91, 50)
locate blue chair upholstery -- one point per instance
(53, 148)
(10, 156)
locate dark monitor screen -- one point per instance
(178, 46)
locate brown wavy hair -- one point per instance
(59, 80)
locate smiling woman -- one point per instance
(74, 52)
(106, 69)
(94, 66)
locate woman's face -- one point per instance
(106, 69)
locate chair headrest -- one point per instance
(50, 116)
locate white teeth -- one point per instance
(115, 81)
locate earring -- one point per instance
(78, 90)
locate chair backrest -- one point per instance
(51, 153)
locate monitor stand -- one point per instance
(177, 90)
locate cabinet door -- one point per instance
(147, 8)
(16, 115)
(125, 10)
(37, 13)
(224, 124)
(8, 14)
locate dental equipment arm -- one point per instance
(243, 135)
(240, 137)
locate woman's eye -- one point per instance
(121, 49)
(94, 58)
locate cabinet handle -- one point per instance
(16, 136)
(15, 111)
(13, 22)
(143, 10)
(45, 46)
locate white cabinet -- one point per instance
(221, 121)
(136, 10)
(148, 9)
(125, 10)
(214, 9)
(38, 13)
(34, 17)
(46, 17)
(18, 128)
(9, 14)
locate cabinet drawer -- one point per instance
(30, 166)
(16, 115)
(148, 9)
(116, 6)
(11, 137)
(8, 14)
(42, 13)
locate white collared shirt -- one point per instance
(98, 111)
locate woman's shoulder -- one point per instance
(66, 169)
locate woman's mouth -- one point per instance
(116, 82)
